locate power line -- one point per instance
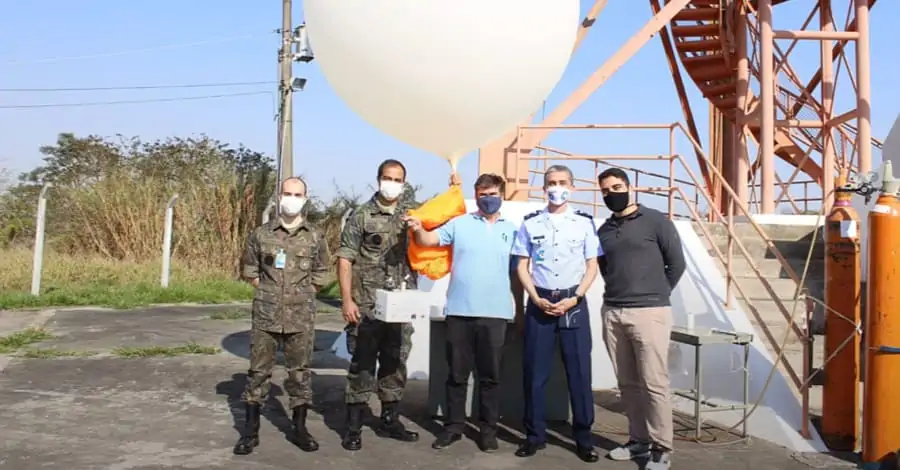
(166, 47)
(135, 87)
(150, 100)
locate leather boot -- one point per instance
(392, 426)
(302, 438)
(353, 437)
(250, 434)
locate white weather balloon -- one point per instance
(445, 76)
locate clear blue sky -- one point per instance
(98, 43)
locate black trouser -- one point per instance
(474, 343)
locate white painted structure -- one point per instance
(698, 301)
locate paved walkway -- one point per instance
(92, 408)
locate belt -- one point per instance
(556, 293)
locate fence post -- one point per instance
(167, 241)
(40, 225)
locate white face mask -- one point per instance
(558, 195)
(292, 205)
(390, 190)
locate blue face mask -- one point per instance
(489, 205)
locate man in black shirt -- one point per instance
(641, 262)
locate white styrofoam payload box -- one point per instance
(437, 312)
(401, 306)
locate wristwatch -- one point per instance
(578, 298)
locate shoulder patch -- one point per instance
(532, 215)
(584, 214)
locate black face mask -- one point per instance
(616, 202)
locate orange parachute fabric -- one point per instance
(434, 262)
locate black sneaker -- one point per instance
(660, 459)
(446, 439)
(630, 450)
(488, 443)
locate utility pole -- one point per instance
(291, 39)
(286, 92)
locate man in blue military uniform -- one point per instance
(562, 246)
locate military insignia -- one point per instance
(533, 214)
(583, 214)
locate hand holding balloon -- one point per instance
(413, 223)
(454, 179)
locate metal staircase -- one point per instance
(706, 48)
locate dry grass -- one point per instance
(94, 280)
(114, 219)
(106, 214)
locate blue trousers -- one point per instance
(541, 332)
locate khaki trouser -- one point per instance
(638, 343)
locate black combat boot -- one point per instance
(392, 427)
(353, 437)
(250, 434)
(302, 438)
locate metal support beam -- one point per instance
(767, 108)
(864, 88)
(827, 93)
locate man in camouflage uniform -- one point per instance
(373, 256)
(287, 261)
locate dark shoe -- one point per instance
(352, 440)
(587, 454)
(660, 459)
(250, 434)
(528, 449)
(487, 442)
(446, 439)
(392, 427)
(302, 438)
(630, 451)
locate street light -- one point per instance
(304, 52)
(298, 83)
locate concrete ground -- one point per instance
(79, 401)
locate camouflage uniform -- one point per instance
(284, 307)
(375, 240)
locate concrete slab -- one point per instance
(102, 330)
(180, 413)
(12, 321)
(111, 413)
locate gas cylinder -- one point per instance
(881, 407)
(843, 278)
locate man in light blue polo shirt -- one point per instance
(479, 306)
